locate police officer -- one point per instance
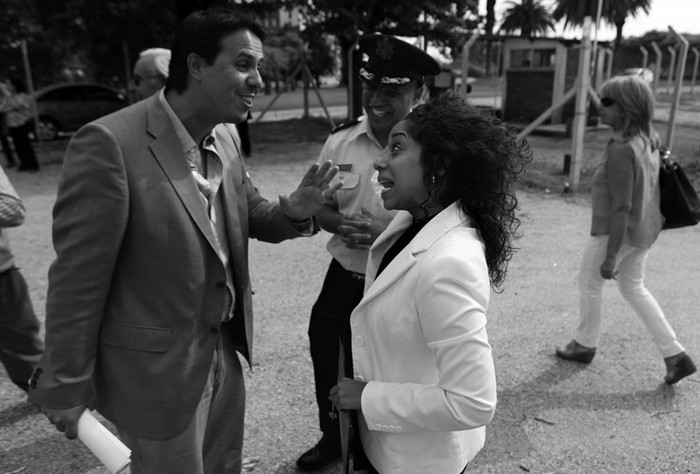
(392, 83)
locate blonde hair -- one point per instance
(636, 101)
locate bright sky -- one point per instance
(682, 15)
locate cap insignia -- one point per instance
(385, 49)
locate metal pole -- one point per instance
(318, 94)
(695, 69)
(465, 61)
(595, 38)
(671, 68)
(645, 56)
(582, 86)
(657, 66)
(608, 62)
(305, 79)
(496, 76)
(679, 86)
(30, 86)
(600, 69)
(352, 113)
(127, 70)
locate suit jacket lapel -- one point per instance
(232, 175)
(167, 149)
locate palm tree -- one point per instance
(531, 17)
(614, 12)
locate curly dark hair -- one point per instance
(474, 159)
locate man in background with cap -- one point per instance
(392, 83)
(150, 72)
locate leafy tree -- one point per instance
(282, 51)
(614, 12)
(530, 17)
(20, 22)
(320, 54)
(443, 22)
(80, 39)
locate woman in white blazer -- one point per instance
(424, 382)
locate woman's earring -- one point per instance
(432, 180)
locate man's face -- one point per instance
(146, 81)
(231, 82)
(386, 105)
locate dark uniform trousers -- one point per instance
(330, 321)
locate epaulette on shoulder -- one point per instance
(345, 125)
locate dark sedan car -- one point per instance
(67, 107)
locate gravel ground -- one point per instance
(553, 417)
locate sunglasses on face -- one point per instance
(607, 102)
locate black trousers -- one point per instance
(20, 345)
(330, 322)
(23, 147)
(7, 149)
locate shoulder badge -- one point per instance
(345, 125)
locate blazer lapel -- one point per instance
(375, 285)
(442, 223)
(167, 150)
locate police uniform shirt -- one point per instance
(354, 149)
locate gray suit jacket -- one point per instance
(137, 289)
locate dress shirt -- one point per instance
(354, 150)
(207, 171)
(12, 213)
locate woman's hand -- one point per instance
(607, 270)
(347, 395)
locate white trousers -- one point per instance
(630, 282)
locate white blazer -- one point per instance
(419, 340)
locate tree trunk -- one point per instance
(616, 47)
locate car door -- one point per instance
(62, 105)
(102, 101)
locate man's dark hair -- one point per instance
(201, 33)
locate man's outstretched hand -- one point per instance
(312, 192)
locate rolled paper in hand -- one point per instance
(108, 448)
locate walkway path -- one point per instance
(615, 416)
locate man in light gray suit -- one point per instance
(149, 297)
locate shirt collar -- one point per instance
(186, 139)
(363, 129)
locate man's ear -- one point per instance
(195, 63)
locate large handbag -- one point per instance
(680, 204)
